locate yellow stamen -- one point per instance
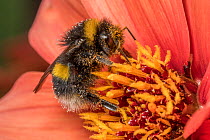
(141, 85)
(161, 110)
(120, 79)
(157, 52)
(153, 64)
(175, 76)
(129, 69)
(102, 88)
(106, 137)
(166, 131)
(143, 50)
(115, 93)
(99, 116)
(166, 92)
(92, 128)
(124, 115)
(152, 107)
(102, 75)
(140, 131)
(103, 126)
(160, 137)
(122, 127)
(168, 57)
(148, 48)
(169, 107)
(147, 134)
(148, 97)
(163, 121)
(90, 123)
(177, 98)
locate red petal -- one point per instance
(197, 120)
(25, 115)
(152, 22)
(203, 133)
(198, 16)
(204, 90)
(54, 18)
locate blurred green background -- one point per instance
(16, 55)
(16, 16)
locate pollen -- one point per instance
(153, 99)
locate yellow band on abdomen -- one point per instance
(61, 71)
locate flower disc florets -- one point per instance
(154, 101)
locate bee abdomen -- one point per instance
(61, 71)
(73, 102)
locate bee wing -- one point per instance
(50, 68)
(44, 76)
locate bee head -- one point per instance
(104, 35)
(110, 37)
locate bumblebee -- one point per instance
(89, 45)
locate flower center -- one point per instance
(154, 101)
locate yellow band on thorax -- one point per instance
(90, 30)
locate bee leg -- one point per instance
(106, 50)
(104, 60)
(126, 53)
(108, 105)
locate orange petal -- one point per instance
(25, 115)
(53, 19)
(204, 90)
(152, 22)
(203, 132)
(197, 120)
(198, 16)
(204, 113)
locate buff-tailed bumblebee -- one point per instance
(89, 45)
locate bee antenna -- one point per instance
(126, 28)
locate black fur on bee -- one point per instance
(89, 45)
